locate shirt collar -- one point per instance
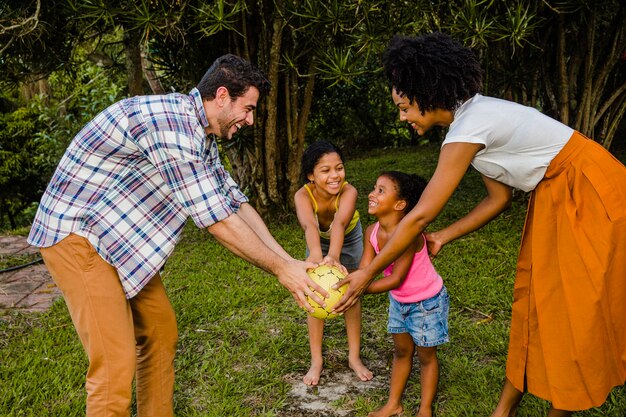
(459, 110)
(196, 98)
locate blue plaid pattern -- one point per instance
(130, 179)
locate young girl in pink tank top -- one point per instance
(418, 300)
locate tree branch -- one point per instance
(21, 25)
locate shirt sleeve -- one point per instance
(198, 182)
(463, 139)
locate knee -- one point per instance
(402, 352)
(162, 338)
(111, 369)
(427, 356)
(169, 331)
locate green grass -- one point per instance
(242, 335)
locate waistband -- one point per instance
(573, 147)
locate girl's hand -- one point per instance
(314, 259)
(330, 261)
(433, 243)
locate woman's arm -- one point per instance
(401, 268)
(498, 199)
(454, 159)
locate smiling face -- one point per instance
(411, 113)
(237, 113)
(384, 198)
(328, 173)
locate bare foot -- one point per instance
(424, 412)
(313, 376)
(387, 411)
(361, 370)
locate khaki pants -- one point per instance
(122, 338)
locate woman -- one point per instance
(568, 328)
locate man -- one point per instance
(116, 207)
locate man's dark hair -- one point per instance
(234, 73)
(409, 187)
(433, 70)
(313, 153)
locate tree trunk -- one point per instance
(272, 151)
(134, 69)
(614, 123)
(36, 84)
(148, 71)
(562, 68)
(299, 136)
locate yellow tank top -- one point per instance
(326, 234)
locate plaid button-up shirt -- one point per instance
(130, 179)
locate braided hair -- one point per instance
(409, 187)
(433, 70)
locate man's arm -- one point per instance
(237, 235)
(256, 223)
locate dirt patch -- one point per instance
(335, 394)
(26, 285)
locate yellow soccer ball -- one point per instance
(326, 276)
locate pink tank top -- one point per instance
(422, 281)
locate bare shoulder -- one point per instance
(369, 230)
(349, 192)
(301, 199)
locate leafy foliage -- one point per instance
(565, 57)
(27, 158)
(36, 38)
(34, 136)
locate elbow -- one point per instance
(500, 201)
(507, 201)
(500, 204)
(420, 223)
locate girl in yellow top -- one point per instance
(326, 209)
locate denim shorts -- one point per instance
(426, 321)
(352, 248)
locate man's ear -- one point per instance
(222, 95)
(400, 205)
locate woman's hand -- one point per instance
(433, 243)
(357, 282)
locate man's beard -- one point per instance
(224, 130)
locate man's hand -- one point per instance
(357, 281)
(293, 276)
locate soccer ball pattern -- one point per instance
(326, 277)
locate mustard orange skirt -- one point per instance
(568, 328)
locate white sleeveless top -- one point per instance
(520, 142)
